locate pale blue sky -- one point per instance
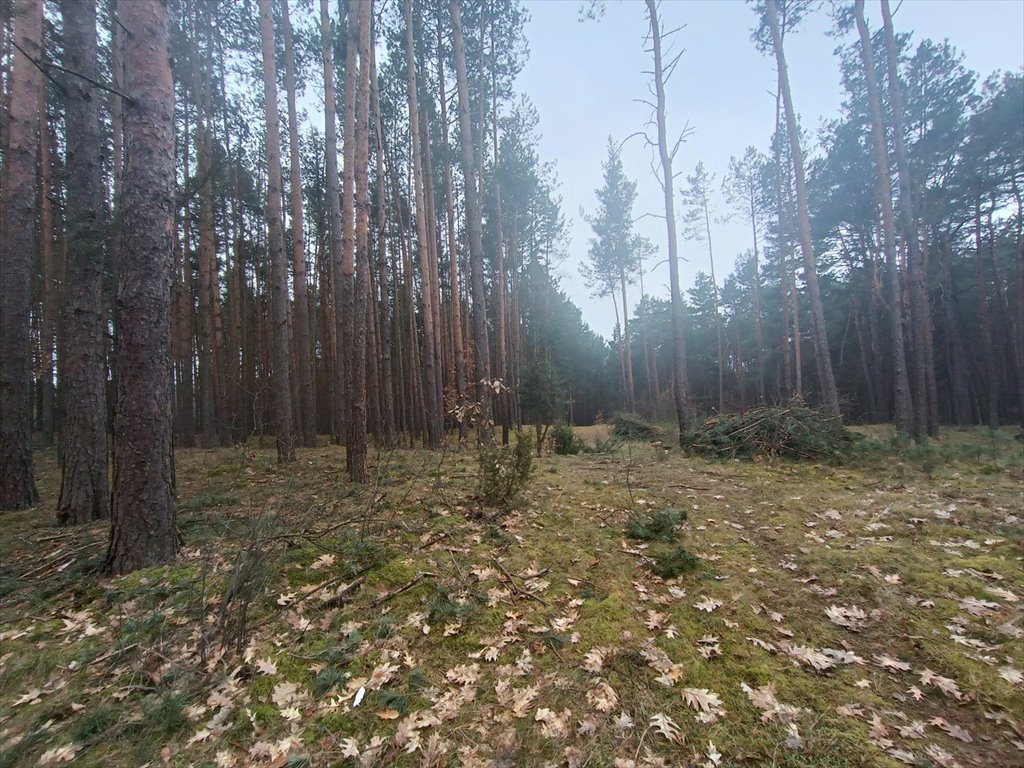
(584, 77)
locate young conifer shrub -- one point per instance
(505, 472)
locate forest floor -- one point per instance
(863, 615)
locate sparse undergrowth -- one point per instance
(860, 615)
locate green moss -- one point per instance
(393, 573)
(602, 622)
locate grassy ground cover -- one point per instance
(865, 614)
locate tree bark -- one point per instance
(459, 372)
(925, 425)
(481, 347)
(718, 310)
(142, 531)
(84, 491)
(281, 379)
(50, 298)
(387, 396)
(17, 485)
(903, 404)
(356, 446)
(334, 219)
(306, 416)
(431, 370)
(680, 384)
(826, 379)
(990, 374)
(758, 326)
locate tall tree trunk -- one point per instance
(481, 346)
(334, 217)
(798, 339)
(387, 394)
(50, 299)
(306, 416)
(956, 357)
(650, 357)
(17, 485)
(903, 403)
(718, 311)
(924, 423)
(143, 531)
(990, 374)
(826, 379)
(356, 447)
(434, 283)
(758, 326)
(84, 492)
(627, 347)
(281, 380)
(431, 370)
(459, 372)
(783, 252)
(680, 384)
(208, 246)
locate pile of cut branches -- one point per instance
(633, 426)
(769, 431)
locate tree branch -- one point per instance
(45, 69)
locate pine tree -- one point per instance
(142, 531)
(17, 483)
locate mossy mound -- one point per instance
(788, 432)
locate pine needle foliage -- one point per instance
(505, 472)
(662, 525)
(564, 441)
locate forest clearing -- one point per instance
(856, 615)
(319, 446)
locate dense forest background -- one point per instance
(365, 241)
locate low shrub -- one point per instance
(564, 440)
(673, 562)
(505, 472)
(663, 525)
(668, 558)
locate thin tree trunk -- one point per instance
(990, 374)
(787, 362)
(650, 360)
(459, 374)
(718, 311)
(356, 447)
(924, 424)
(758, 327)
(630, 391)
(680, 384)
(208, 246)
(50, 300)
(17, 484)
(481, 346)
(306, 416)
(904, 407)
(826, 379)
(334, 219)
(281, 378)
(143, 531)
(432, 414)
(387, 396)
